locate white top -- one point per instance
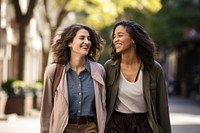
(130, 96)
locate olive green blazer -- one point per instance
(155, 94)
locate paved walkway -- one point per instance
(184, 114)
(19, 124)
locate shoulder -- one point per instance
(97, 71)
(108, 63)
(156, 69)
(50, 70)
(96, 66)
(157, 66)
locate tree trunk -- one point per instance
(23, 21)
(21, 54)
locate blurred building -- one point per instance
(183, 65)
(9, 46)
(37, 39)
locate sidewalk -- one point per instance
(184, 115)
(20, 124)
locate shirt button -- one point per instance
(79, 94)
(79, 111)
(79, 102)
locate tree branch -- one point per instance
(46, 12)
(61, 15)
(29, 13)
(18, 12)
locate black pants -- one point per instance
(129, 123)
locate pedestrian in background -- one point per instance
(79, 101)
(136, 96)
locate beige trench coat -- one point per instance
(55, 118)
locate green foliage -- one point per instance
(18, 84)
(14, 87)
(102, 13)
(169, 24)
(19, 87)
(7, 84)
(36, 85)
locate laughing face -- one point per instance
(122, 40)
(81, 43)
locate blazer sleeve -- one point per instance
(47, 102)
(162, 101)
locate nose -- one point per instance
(115, 39)
(87, 41)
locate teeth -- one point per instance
(117, 45)
(83, 47)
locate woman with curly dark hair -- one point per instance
(136, 95)
(78, 104)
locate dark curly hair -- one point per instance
(145, 47)
(61, 51)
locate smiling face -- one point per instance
(81, 43)
(122, 40)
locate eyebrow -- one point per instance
(119, 33)
(84, 35)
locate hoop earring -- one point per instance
(135, 46)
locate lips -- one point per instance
(117, 46)
(84, 47)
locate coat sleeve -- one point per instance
(162, 102)
(47, 102)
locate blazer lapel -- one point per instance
(146, 87)
(115, 73)
(63, 86)
(147, 96)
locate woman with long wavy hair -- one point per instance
(79, 101)
(136, 96)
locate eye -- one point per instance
(89, 39)
(120, 35)
(82, 38)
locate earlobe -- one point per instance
(69, 45)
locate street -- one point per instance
(184, 115)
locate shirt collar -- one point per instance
(87, 66)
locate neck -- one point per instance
(77, 64)
(130, 59)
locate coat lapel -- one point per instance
(147, 96)
(115, 70)
(146, 87)
(96, 75)
(63, 86)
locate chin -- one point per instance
(118, 52)
(86, 53)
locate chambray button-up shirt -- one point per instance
(81, 92)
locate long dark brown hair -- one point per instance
(61, 51)
(145, 47)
